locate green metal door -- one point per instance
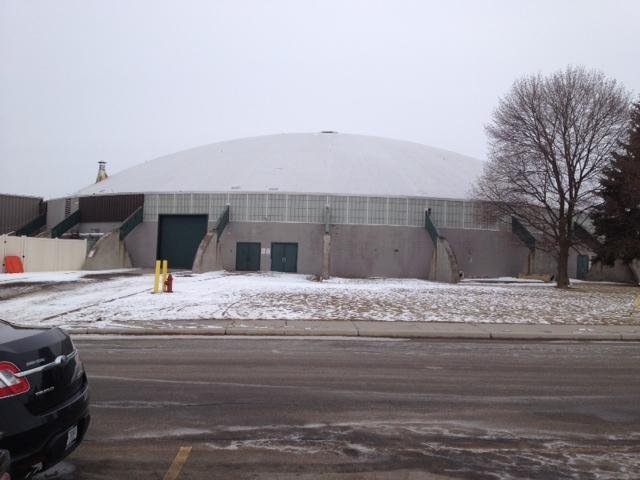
(179, 237)
(247, 256)
(284, 257)
(583, 267)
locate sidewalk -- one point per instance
(348, 328)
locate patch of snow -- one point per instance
(506, 280)
(55, 277)
(127, 301)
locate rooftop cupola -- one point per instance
(102, 172)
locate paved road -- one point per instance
(345, 409)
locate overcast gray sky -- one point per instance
(127, 81)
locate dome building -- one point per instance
(325, 204)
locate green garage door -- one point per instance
(179, 237)
(284, 257)
(247, 256)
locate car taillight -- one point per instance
(11, 385)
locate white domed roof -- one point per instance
(327, 163)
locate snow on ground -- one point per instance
(53, 277)
(127, 300)
(502, 280)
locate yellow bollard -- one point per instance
(156, 280)
(165, 267)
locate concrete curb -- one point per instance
(373, 329)
(557, 336)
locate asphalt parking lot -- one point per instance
(268, 408)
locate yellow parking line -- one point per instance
(178, 462)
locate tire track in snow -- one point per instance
(58, 315)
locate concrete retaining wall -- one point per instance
(209, 254)
(142, 244)
(618, 272)
(108, 253)
(444, 265)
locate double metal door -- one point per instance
(247, 256)
(284, 257)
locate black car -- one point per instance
(44, 397)
(5, 465)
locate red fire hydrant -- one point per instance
(168, 285)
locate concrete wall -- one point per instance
(108, 253)
(142, 244)
(209, 254)
(546, 262)
(618, 272)
(368, 250)
(484, 253)
(44, 254)
(307, 236)
(380, 251)
(56, 210)
(357, 250)
(444, 265)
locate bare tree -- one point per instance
(549, 139)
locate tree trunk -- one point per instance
(563, 265)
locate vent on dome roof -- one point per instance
(328, 131)
(102, 172)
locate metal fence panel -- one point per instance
(257, 208)
(238, 210)
(315, 208)
(357, 213)
(397, 211)
(167, 204)
(297, 208)
(199, 203)
(454, 214)
(279, 207)
(339, 209)
(377, 210)
(416, 208)
(345, 209)
(438, 209)
(217, 204)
